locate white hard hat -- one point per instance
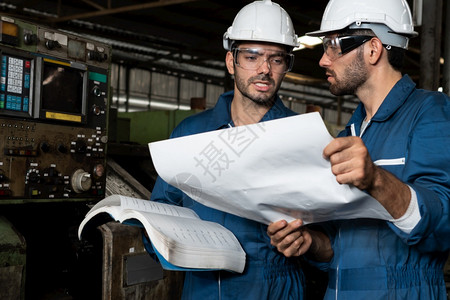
(390, 20)
(261, 21)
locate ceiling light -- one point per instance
(308, 42)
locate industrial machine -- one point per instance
(54, 91)
(53, 114)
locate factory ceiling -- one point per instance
(186, 34)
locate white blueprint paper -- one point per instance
(265, 172)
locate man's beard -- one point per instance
(262, 99)
(354, 75)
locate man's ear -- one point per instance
(229, 62)
(376, 49)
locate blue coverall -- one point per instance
(268, 274)
(408, 136)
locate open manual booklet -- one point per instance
(181, 240)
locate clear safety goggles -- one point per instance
(335, 47)
(253, 58)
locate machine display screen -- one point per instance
(62, 88)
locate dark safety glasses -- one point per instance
(335, 47)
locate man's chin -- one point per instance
(264, 101)
(336, 91)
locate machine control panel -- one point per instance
(54, 94)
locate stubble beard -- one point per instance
(262, 99)
(354, 76)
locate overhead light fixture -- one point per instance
(308, 42)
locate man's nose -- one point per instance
(324, 60)
(264, 67)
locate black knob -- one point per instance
(3, 177)
(94, 55)
(30, 39)
(61, 148)
(45, 147)
(52, 44)
(34, 177)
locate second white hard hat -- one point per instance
(391, 20)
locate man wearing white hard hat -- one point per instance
(259, 45)
(396, 148)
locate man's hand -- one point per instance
(293, 239)
(289, 238)
(351, 162)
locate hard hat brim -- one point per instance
(319, 33)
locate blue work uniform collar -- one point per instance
(221, 113)
(396, 97)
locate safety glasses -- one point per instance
(335, 47)
(253, 58)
